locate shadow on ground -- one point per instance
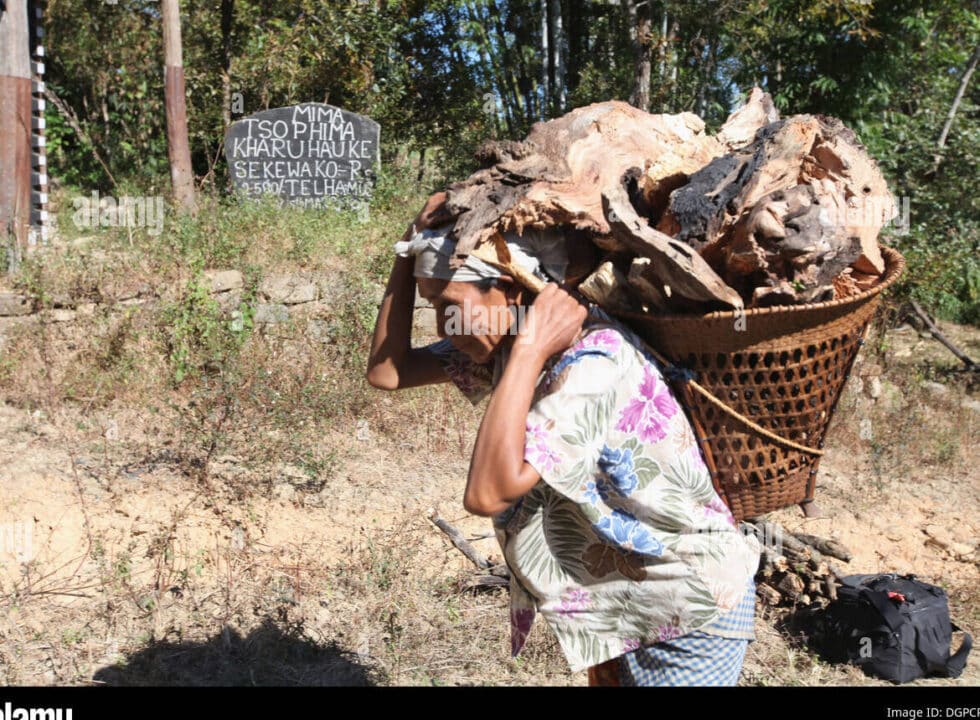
(265, 657)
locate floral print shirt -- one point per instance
(624, 542)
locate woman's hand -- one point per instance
(552, 324)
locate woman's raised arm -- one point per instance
(392, 363)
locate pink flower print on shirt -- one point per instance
(607, 340)
(574, 602)
(536, 449)
(668, 632)
(647, 413)
(534, 434)
(630, 644)
(717, 507)
(542, 457)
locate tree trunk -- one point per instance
(964, 82)
(578, 32)
(545, 63)
(227, 16)
(662, 48)
(493, 77)
(178, 146)
(15, 129)
(642, 54)
(559, 97)
(507, 68)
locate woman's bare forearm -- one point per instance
(393, 363)
(499, 476)
(393, 328)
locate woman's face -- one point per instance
(476, 320)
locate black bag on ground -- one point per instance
(893, 626)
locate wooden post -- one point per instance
(15, 128)
(178, 146)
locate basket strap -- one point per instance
(684, 375)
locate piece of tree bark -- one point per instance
(788, 212)
(791, 586)
(742, 125)
(676, 264)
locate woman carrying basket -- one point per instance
(599, 496)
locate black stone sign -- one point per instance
(310, 155)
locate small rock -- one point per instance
(320, 330)
(238, 538)
(12, 304)
(855, 385)
(891, 396)
(62, 315)
(288, 289)
(971, 404)
(284, 491)
(62, 300)
(869, 369)
(229, 300)
(85, 309)
(316, 500)
(866, 431)
(274, 313)
(934, 388)
(962, 551)
(224, 280)
(291, 473)
(938, 535)
(873, 387)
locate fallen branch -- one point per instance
(937, 333)
(472, 554)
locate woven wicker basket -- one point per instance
(783, 368)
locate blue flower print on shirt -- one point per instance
(624, 530)
(617, 464)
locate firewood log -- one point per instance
(768, 594)
(791, 586)
(608, 287)
(826, 546)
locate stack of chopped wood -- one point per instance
(765, 212)
(796, 569)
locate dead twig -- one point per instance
(937, 333)
(472, 554)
